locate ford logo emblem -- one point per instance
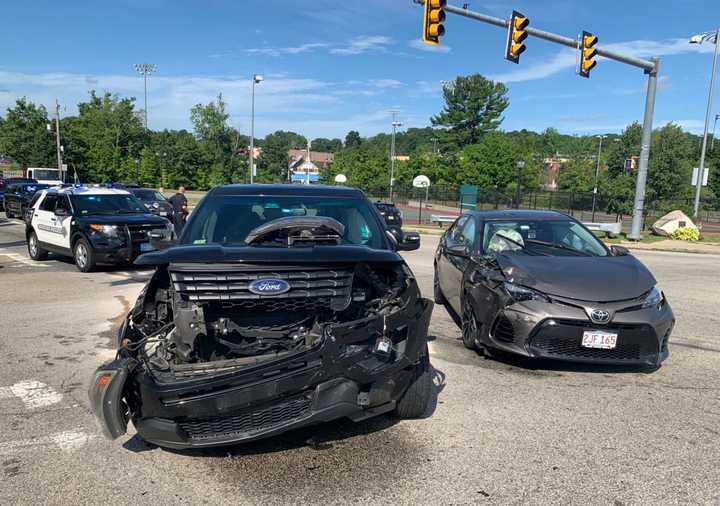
(599, 316)
(269, 286)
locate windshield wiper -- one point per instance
(558, 246)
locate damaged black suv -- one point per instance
(281, 306)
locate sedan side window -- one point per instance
(468, 235)
(455, 236)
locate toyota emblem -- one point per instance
(599, 316)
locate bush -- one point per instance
(686, 234)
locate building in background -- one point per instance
(305, 165)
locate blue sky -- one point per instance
(336, 65)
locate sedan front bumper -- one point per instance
(554, 331)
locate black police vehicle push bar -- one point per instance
(649, 66)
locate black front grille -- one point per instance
(249, 422)
(504, 330)
(140, 233)
(208, 286)
(300, 305)
(635, 343)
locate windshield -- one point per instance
(107, 204)
(550, 238)
(227, 220)
(148, 195)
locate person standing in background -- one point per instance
(180, 210)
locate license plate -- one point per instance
(599, 339)
(146, 246)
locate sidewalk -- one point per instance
(674, 246)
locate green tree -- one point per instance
(326, 145)
(473, 107)
(627, 146)
(353, 140)
(216, 141)
(578, 175)
(24, 136)
(106, 132)
(671, 160)
(492, 163)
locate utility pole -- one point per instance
(145, 69)
(256, 79)
(597, 175)
(57, 140)
(435, 141)
(699, 39)
(395, 125)
(712, 143)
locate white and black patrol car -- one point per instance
(93, 225)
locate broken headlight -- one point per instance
(522, 294)
(654, 298)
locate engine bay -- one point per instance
(190, 317)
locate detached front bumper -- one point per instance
(553, 331)
(342, 378)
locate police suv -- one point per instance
(93, 225)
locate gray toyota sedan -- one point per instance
(540, 284)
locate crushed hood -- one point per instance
(599, 279)
(256, 254)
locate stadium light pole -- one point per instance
(597, 174)
(145, 69)
(395, 125)
(713, 37)
(256, 79)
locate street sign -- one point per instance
(421, 182)
(694, 181)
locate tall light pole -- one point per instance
(256, 79)
(395, 125)
(145, 69)
(713, 37)
(520, 164)
(712, 143)
(597, 174)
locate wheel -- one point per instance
(84, 256)
(416, 398)
(34, 249)
(8, 213)
(470, 328)
(437, 292)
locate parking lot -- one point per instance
(499, 432)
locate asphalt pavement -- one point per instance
(499, 432)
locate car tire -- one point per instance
(8, 213)
(416, 398)
(34, 250)
(437, 292)
(84, 256)
(470, 328)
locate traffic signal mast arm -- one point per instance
(647, 65)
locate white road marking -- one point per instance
(35, 394)
(65, 441)
(17, 257)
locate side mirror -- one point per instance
(61, 212)
(159, 242)
(458, 250)
(619, 251)
(410, 241)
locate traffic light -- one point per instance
(433, 27)
(588, 52)
(516, 36)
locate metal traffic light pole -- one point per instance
(649, 66)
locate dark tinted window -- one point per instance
(229, 219)
(148, 195)
(48, 203)
(63, 203)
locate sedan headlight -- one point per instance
(106, 230)
(521, 293)
(654, 298)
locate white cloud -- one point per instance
(364, 44)
(421, 46)
(566, 58)
(279, 51)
